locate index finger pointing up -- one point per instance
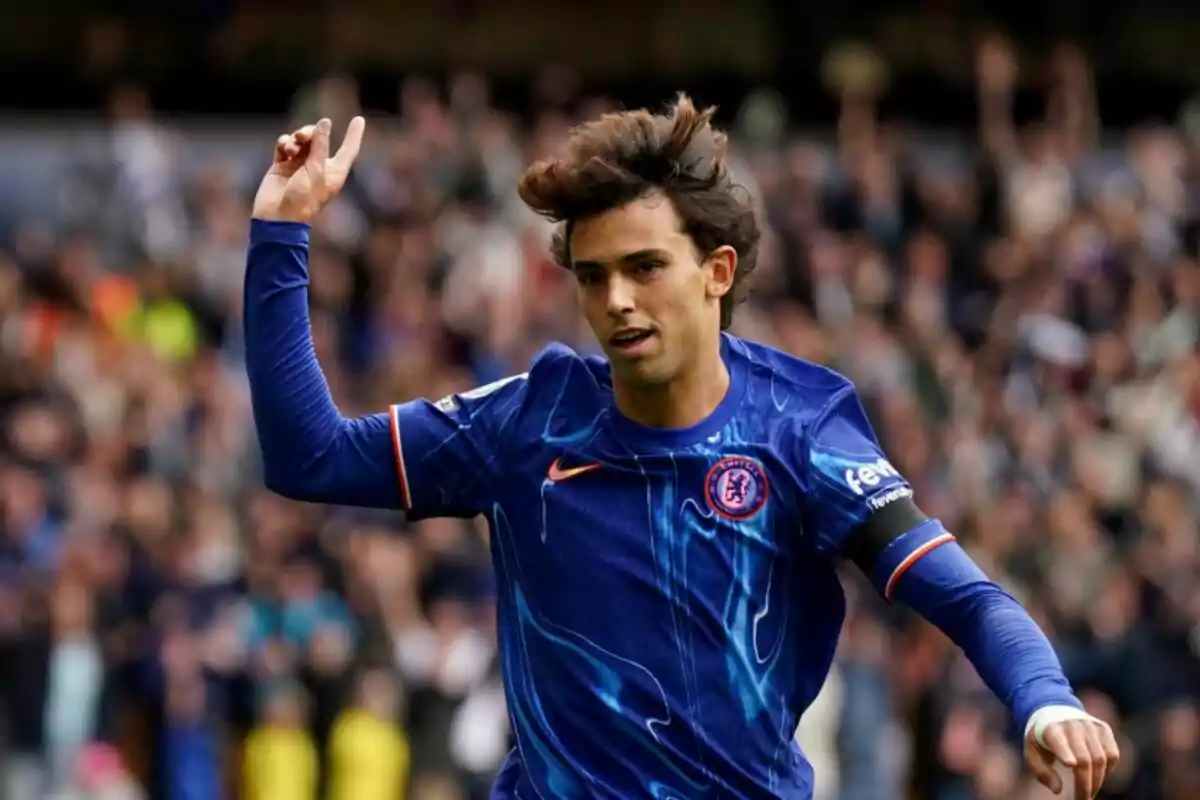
(348, 152)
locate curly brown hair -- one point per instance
(621, 157)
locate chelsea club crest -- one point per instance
(736, 487)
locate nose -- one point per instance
(619, 296)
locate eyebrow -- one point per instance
(628, 258)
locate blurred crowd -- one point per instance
(1021, 323)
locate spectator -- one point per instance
(369, 755)
(75, 682)
(280, 760)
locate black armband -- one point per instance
(865, 543)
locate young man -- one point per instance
(666, 522)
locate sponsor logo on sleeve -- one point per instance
(866, 480)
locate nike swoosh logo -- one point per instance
(558, 472)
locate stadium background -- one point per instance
(986, 213)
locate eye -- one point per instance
(649, 267)
(588, 277)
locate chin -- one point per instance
(647, 371)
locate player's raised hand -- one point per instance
(304, 176)
(1086, 747)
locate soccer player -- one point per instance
(666, 522)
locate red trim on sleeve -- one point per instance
(913, 558)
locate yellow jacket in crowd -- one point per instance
(368, 758)
(280, 764)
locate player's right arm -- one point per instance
(428, 459)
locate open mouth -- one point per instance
(628, 339)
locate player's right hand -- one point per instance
(303, 176)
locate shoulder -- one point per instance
(790, 388)
(810, 414)
(562, 390)
(560, 385)
(557, 360)
(558, 366)
(519, 392)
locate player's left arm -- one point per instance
(861, 508)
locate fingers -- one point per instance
(305, 153)
(1102, 744)
(348, 152)
(1088, 772)
(1069, 744)
(316, 139)
(1041, 764)
(1101, 765)
(318, 148)
(1108, 743)
(292, 145)
(286, 148)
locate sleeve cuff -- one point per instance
(266, 231)
(1046, 716)
(398, 453)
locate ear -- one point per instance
(721, 266)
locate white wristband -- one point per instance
(1046, 716)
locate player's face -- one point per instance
(652, 299)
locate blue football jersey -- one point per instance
(668, 598)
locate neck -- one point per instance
(684, 401)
